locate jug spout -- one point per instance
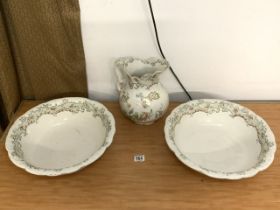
(135, 71)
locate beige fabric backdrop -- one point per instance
(41, 51)
(9, 90)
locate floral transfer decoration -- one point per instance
(53, 109)
(235, 110)
(146, 80)
(146, 100)
(142, 98)
(145, 115)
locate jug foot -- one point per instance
(145, 123)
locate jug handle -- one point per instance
(121, 77)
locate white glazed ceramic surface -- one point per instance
(220, 139)
(60, 136)
(142, 98)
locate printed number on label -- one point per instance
(139, 158)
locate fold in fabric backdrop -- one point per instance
(41, 50)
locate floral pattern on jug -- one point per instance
(142, 98)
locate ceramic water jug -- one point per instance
(142, 98)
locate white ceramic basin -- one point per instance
(60, 136)
(220, 139)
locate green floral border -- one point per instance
(146, 80)
(235, 110)
(67, 105)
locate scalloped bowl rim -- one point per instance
(233, 176)
(21, 163)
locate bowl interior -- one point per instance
(218, 142)
(63, 140)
